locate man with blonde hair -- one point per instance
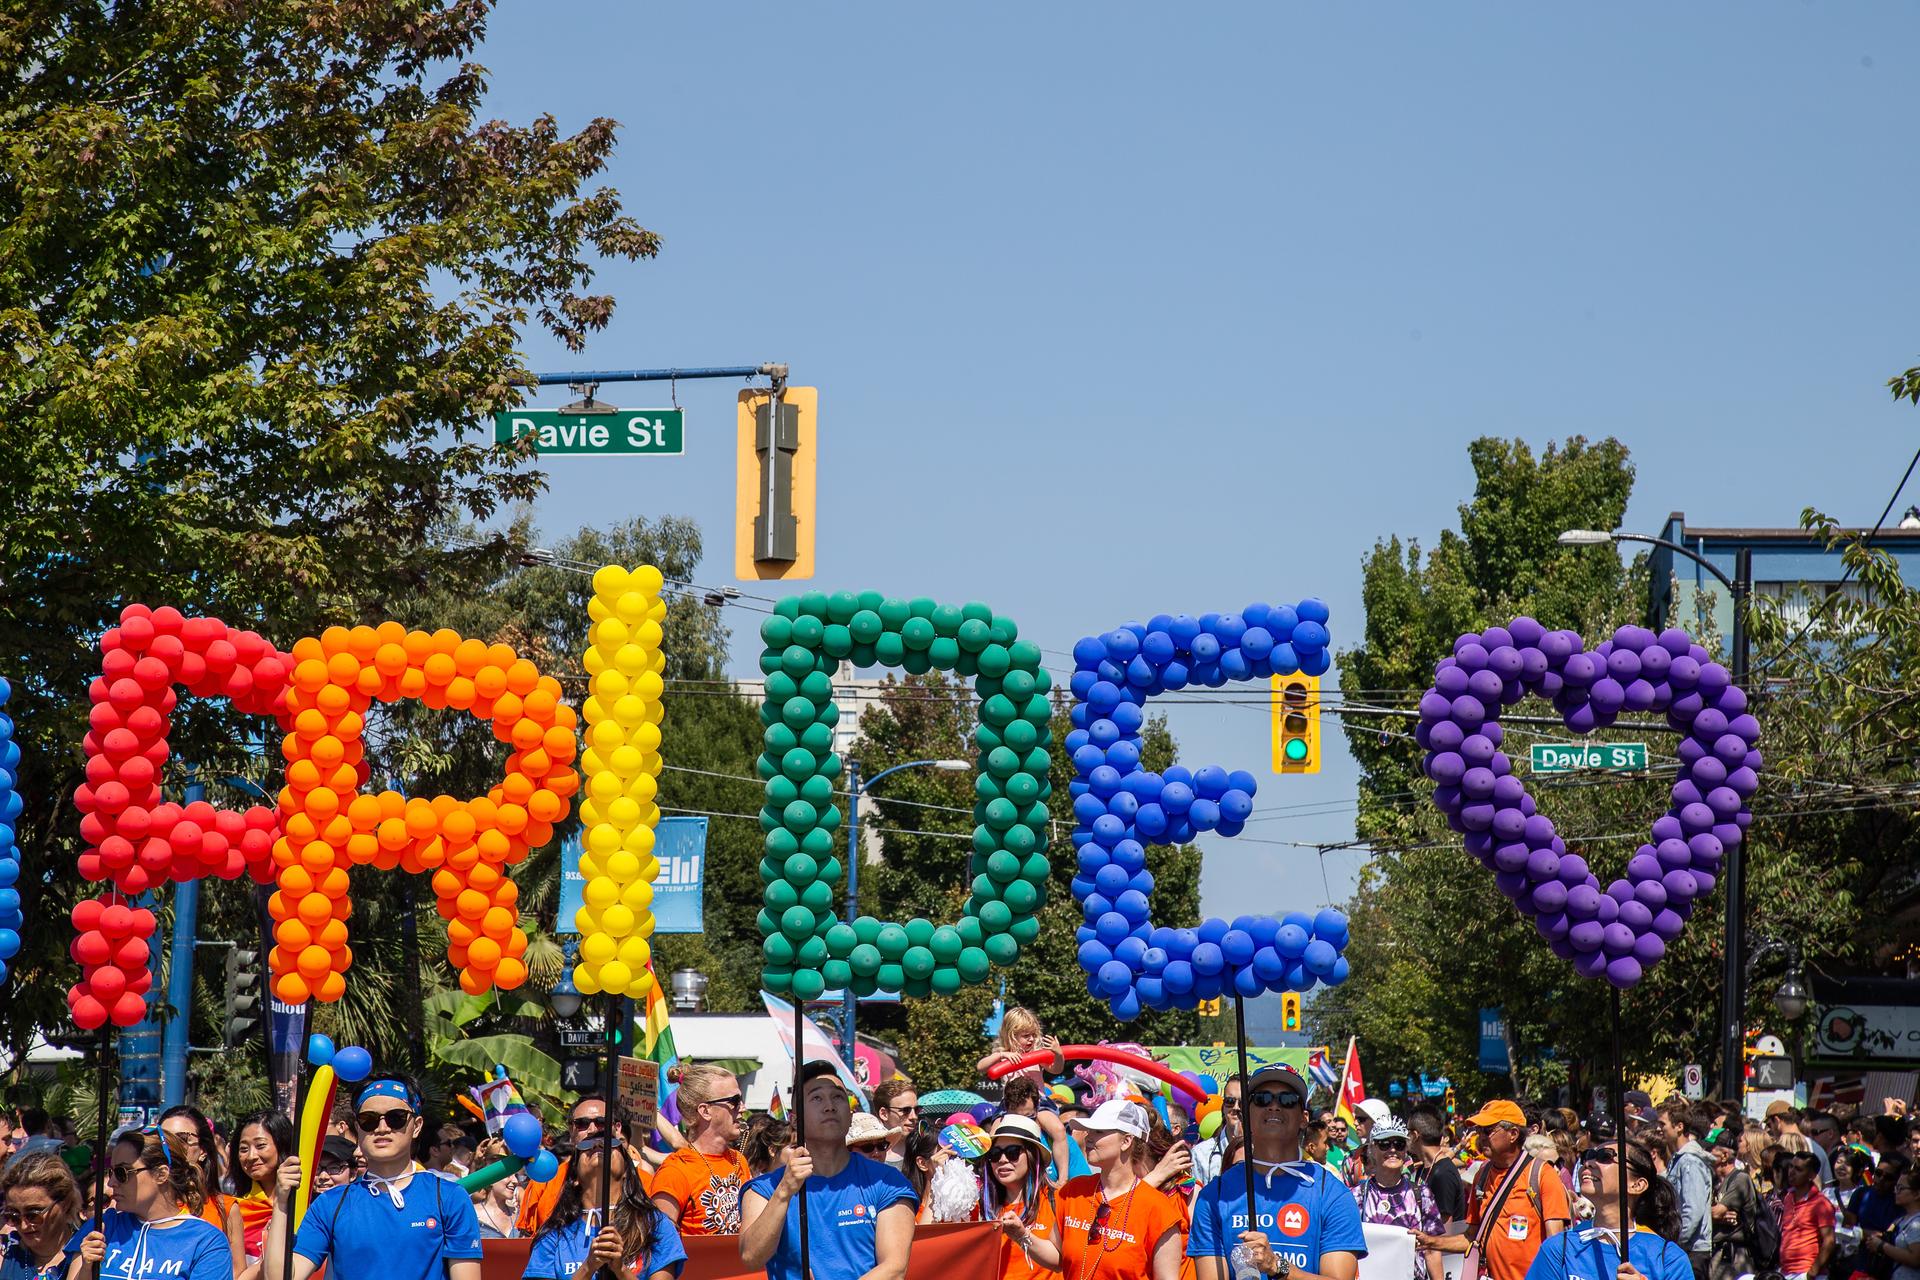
(698, 1186)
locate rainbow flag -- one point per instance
(656, 1033)
(777, 1109)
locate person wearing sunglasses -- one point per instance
(698, 1186)
(1592, 1250)
(1114, 1224)
(1018, 1196)
(859, 1211)
(1388, 1197)
(40, 1205)
(153, 1227)
(637, 1242)
(1307, 1222)
(397, 1221)
(586, 1120)
(1515, 1204)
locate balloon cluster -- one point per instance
(329, 825)
(1120, 808)
(622, 763)
(1620, 932)
(10, 917)
(805, 948)
(133, 840)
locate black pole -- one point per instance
(612, 1091)
(1733, 979)
(1620, 1120)
(1246, 1108)
(102, 1083)
(416, 1013)
(800, 1118)
(286, 1244)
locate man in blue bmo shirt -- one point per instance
(1308, 1227)
(859, 1211)
(397, 1221)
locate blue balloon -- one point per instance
(522, 1134)
(543, 1167)
(1238, 947)
(1115, 977)
(1094, 953)
(1319, 957)
(320, 1050)
(1291, 941)
(1332, 926)
(352, 1064)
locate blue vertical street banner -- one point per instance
(678, 891)
(1493, 1041)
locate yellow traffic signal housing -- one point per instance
(1296, 724)
(774, 483)
(1290, 1011)
(1208, 1008)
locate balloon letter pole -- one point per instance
(806, 948)
(1620, 932)
(1120, 808)
(618, 814)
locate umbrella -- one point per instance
(944, 1102)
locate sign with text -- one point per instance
(1569, 757)
(638, 1091)
(1493, 1041)
(556, 432)
(1881, 1032)
(678, 899)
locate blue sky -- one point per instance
(1120, 309)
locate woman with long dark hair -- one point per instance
(1018, 1195)
(1592, 1251)
(192, 1130)
(260, 1143)
(640, 1243)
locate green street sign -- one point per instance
(558, 433)
(1570, 757)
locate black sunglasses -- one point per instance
(121, 1172)
(1286, 1098)
(732, 1102)
(1098, 1226)
(1391, 1144)
(583, 1123)
(1599, 1155)
(394, 1118)
(1011, 1151)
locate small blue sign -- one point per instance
(1493, 1041)
(678, 891)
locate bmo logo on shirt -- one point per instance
(855, 1215)
(1294, 1220)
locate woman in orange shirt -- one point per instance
(698, 1186)
(1114, 1225)
(1018, 1195)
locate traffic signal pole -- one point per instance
(186, 927)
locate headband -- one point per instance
(396, 1089)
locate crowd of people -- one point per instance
(1084, 1182)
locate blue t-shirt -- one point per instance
(1302, 1217)
(17, 1264)
(187, 1248)
(1589, 1253)
(558, 1253)
(361, 1234)
(842, 1212)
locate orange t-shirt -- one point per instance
(707, 1189)
(537, 1201)
(1014, 1262)
(1129, 1229)
(1519, 1226)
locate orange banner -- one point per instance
(951, 1251)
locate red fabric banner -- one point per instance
(950, 1251)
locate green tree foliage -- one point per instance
(263, 267)
(924, 822)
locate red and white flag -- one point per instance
(1353, 1089)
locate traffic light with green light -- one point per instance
(1290, 1011)
(1296, 723)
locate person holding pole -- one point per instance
(634, 1242)
(153, 1227)
(396, 1221)
(1307, 1225)
(1592, 1251)
(860, 1211)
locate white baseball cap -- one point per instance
(1373, 1109)
(1116, 1115)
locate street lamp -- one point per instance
(1733, 972)
(853, 865)
(565, 998)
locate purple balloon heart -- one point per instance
(1620, 930)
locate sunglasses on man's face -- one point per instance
(732, 1102)
(334, 1169)
(1286, 1099)
(582, 1124)
(394, 1118)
